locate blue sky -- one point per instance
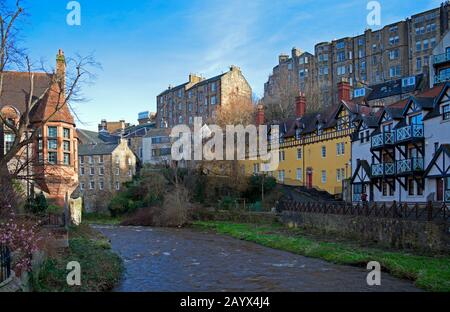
(145, 45)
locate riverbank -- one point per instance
(429, 273)
(101, 268)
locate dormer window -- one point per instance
(298, 134)
(319, 129)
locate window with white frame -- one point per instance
(324, 151)
(281, 175)
(324, 176)
(118, 186)
(299, 153)
(91, 185)
(255, 168)
(117, 171)
(446, 112)
(9, 141)
(299, 175)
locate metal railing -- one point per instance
(415, 164)
(409, 132)
(409, 211)
(442, 77)
(382, 139)
(441, 58)
(383, 169)
(5, 263)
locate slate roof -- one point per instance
(96, 149)
(88, 137)
(138, 130)
(391, 88)
(91, 137)
(16, 91)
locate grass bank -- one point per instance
(429, 273)
(101, 268)
(101, 219)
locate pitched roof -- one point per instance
(88, 137)
(96, 149)
(16, 92)
(16, 88)
(393, 87)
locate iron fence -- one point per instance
(408, 211)
(54, 220)
(5, 263)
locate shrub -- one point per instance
(145, 191)
(22, 239)
(119, 205)
(176, 208)
(37, 205)
(144, 217)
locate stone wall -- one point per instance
(401, 234)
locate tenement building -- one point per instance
(50, 164)
(200, 97)
(397, 50)
(104, 167)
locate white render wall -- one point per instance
(436, 131)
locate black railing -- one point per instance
(54, 220)
(5, 263)
(408, 211)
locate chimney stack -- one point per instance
(300, 105)
(344, 90)
(260, 118)
(61, 68)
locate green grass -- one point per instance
(101, 219)
(101, 269)
(429, 273)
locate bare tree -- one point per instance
(280, 102)
(63, 87)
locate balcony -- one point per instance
(382, 140)
(441, 58)
(410, 133)
(441, 78)
(409, 166)
(384, 169)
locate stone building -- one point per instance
(51, 162)
(200, 97)
(440, 62)
(401, 49)
(293, 74)
(104, 167)
(113, 126)
(157, 147)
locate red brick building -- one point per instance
(53, 158)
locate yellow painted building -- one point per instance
(315, 151)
